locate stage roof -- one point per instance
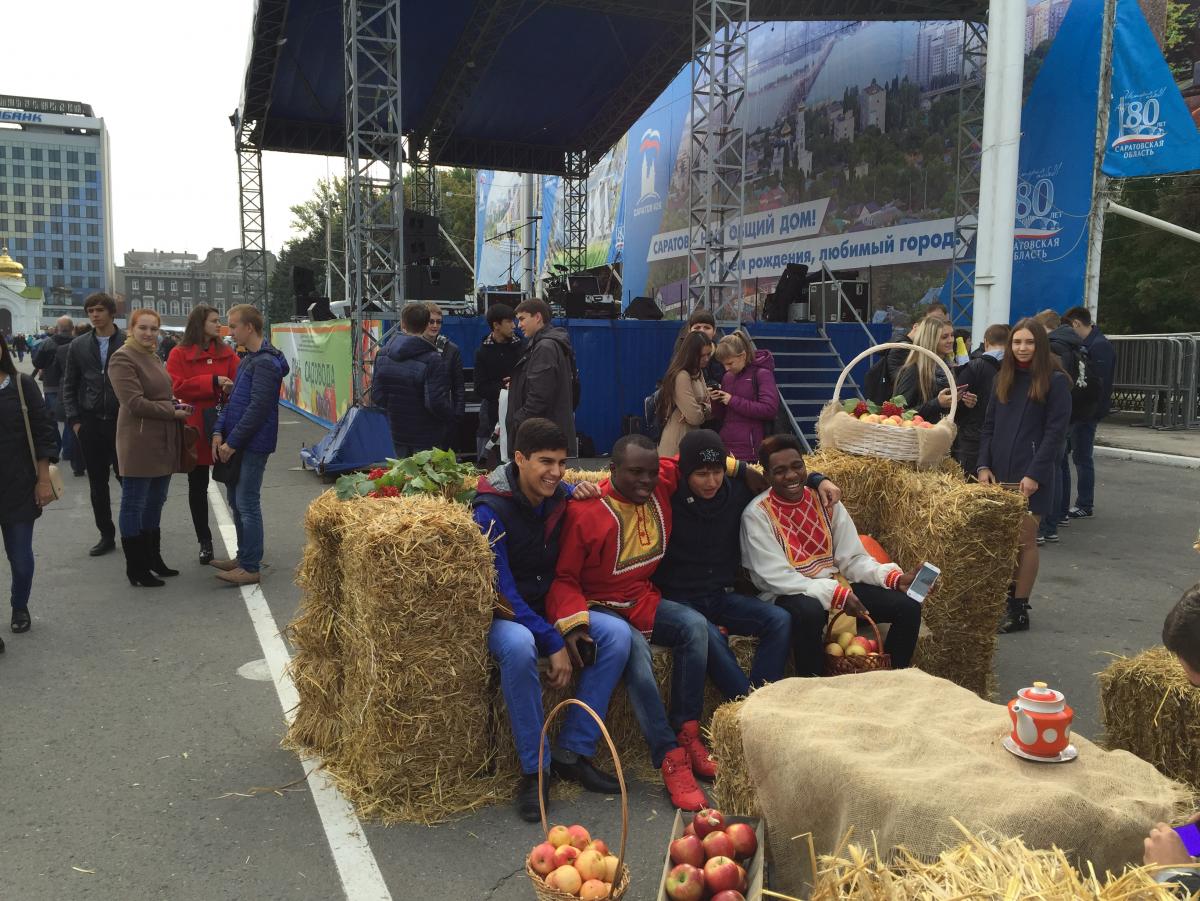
(514, 84)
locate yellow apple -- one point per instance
(856, 650)
(844, 639)
(833, 649)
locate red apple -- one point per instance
(872, 646)
(590, 865)
(728, 895)
(864, 643)
(708, 820)
(688, 849)
(579, 836)
(598, 844)
(565, 855)
(685, 883)
(718, 844)
(566, 879)
(593, 890)
(541, 858)
(744, 880)
(745, 842)
(689, 829)
(721, 874)
(558, 836)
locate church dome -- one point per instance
(10, 268)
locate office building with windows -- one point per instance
(173, 283)
(55, 203)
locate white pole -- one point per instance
(1091, 289)
(981, 316)
(1136, 216)
(530, 211)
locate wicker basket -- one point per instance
(621, 882)
(842, 666)
(925, 447)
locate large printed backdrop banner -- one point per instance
(319, 356)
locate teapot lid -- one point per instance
(1040, 693)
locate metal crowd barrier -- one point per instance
(1156, 375)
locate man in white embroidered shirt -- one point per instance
(795, 549)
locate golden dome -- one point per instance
(10, 268)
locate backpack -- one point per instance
(782, 423)
(1086, 383)
(652, 426)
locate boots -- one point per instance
(206, 552)
(1016, 617)
(703, 766)
(154, 560)
(137, 567)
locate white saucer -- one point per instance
(1069, 753)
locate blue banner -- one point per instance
(1150, 131)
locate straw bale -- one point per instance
(733, 791)
(574, 476)
(1150, 709)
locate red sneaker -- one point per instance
(681, 785)
(689, 739)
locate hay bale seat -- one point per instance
(1149, 708)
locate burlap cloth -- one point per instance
(897, 754)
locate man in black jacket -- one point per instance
(495, 359)
(45, 361)
(454, 369)
(91, 408)
(703, 559)
(1068, 346)
(411, 382)
(978, 374)
(543, 379)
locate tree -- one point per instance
(1182, 38)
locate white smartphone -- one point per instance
(923, 583)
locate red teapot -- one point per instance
(1041, 721)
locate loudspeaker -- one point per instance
(790, 288)
(420, 225)
(643, 308)
(304, 282)
(423, 282)
(775, 309)
(577, 306)
(318, 309)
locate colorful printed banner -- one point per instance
(319, 357)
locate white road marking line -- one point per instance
(356, 864)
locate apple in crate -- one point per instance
(541, 859)
(565, 879)
(685, 883)
(593, 890)
(708, 820)
(687, 849)
(745, 842)
(718, 844)
(728, 895)
(721, 874)
(590, 865)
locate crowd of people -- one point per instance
(112, 406)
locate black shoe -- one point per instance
(103, 546)
(136, 568)
(1016, 618)
(1051, 537)
(154, 560)
(206, 552)
(20, 620)
(1, 645)
(526, 800)
(79, 473)
(588, 776)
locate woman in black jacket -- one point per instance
(1026, 423)
(24, 486)
(921, 380)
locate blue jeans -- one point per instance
(743, 615)
(1081, 441)
(142, 499)
(245, 503)
(51, 402)
(18, 545)
(512, 645)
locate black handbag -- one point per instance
(209, 419)
(227, 473)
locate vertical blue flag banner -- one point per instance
(1150, 131)
(1055, 172)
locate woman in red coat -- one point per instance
(202, 368)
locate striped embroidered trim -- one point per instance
(892, 578)
(840, 595)
(567, 623)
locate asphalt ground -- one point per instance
(139, 742)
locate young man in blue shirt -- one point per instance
(520, 507)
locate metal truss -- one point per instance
(717, 150)
(374, 178)
(574, 200)
(250, 203)
(966, 181)
(422, 180)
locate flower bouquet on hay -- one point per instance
(435, 472)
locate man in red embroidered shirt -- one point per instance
(794, 549)
(609, 549)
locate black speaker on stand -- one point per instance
(643, 308)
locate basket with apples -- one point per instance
(571, 864)
(887, 430)
(849, 652)
(713, 857)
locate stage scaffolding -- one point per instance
(250, 205)
(966, 182)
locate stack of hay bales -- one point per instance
(966, 529)
(1150, 709)
(392, 664)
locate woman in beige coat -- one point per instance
(683, 403)
(148, 436)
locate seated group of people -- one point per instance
(590, 576)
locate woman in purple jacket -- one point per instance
(1025, 425)
(747, 401)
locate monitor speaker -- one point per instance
(318, 309)
(304, 281)
(643, 308)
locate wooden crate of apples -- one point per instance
(572, 862)
(890, 412)
(713, 857)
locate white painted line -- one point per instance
(1140, 456)
(356, 864)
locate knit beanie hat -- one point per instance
(701, 447)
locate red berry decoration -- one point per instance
(861, 410)
(376, 474)
(890, 409)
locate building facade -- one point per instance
(20, 304)
(172, 283)
(55, 203)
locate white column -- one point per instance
(1002, 87)
(1091, 284)
(529, 210)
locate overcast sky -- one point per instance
(165, 77)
